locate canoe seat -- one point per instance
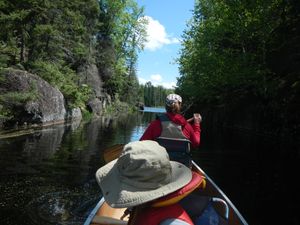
(179, 150)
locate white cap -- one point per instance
(173, 98)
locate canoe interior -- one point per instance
(211, 190)
(107, 211)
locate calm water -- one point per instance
(48, 176)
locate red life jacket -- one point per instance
(155, 215)
(168, 207)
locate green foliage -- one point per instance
(118, 107)
(65, 80)
(154, 96)
(10, 100)
(86, 115)
(5, 113)
(226, 50)
(119, 39)
(51, 38)
(244, 55)
(55, 38)
(17, 97)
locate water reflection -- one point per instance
(42, 144)
(48, 176)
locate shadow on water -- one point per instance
(48, 176)
(256, 172)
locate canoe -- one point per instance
(210, 195)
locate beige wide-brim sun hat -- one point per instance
(142, 173)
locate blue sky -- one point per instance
(167, 20)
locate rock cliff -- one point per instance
(44, 103)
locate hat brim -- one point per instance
(118, 194)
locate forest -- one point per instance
(239, 59)
(53, 38)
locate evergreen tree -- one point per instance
(120, 38)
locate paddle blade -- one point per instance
(112, 152)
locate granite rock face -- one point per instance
(90, 75)
(46, 105)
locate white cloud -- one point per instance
(156, 80)
(170, 85)
(142, 80)
(157, 35)
(156, 77)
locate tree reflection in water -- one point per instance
(48, 176)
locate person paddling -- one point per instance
(174, 132)
(144, 180)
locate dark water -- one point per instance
(48, 176)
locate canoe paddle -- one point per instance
(112, 152)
